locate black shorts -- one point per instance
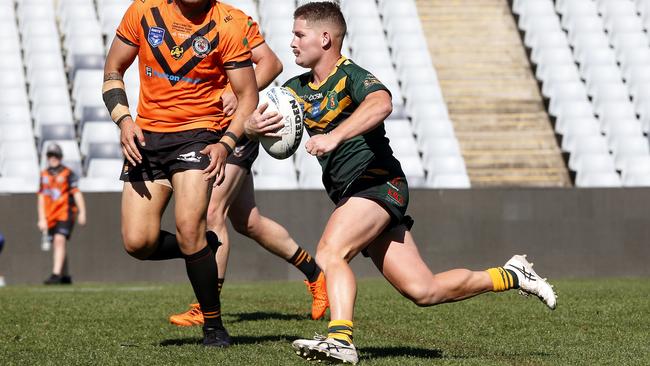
(168, 152)
(61, 227)
(245, 153)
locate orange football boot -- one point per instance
(194, 316)
(318, 291)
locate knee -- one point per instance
(328, 255)
(421, 294)
(188, 233)
(215, 217)
(248, 226)
(137, 245)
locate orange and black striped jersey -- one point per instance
(183, 64)
(58, 185)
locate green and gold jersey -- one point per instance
(329, 104)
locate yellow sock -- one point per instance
(502, 279)
(340, 330)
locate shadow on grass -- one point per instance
(235, 340)
(263, 315)
(379, 352)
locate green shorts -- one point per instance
(384, 182)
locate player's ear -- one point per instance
(326, 40)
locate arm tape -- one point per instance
(117, 103)
(232, 136)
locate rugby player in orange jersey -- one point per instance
(188, 50)
(235, 198)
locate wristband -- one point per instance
(228, 148)
(232, 136)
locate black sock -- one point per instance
(202, 271)
(220, 284)
(306, 264)
(213, 240)
(167, 247)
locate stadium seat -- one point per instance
(15, 114)
(449, 181)
(275, 182)
(17, 132)
(596, 163)
(446, 165)
(98, 132)
(105, 168)
(89, 184)
(440, 147)
(636, 165)
(598, 180)
(20, 169)
(637, 180)
(587, 145)
(18, 185)
(414, 171)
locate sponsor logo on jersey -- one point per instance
(170, 77)
(177, 52)
(311, 97)
(148, 71)
(155, 36)
(315, 109)
(201, 46)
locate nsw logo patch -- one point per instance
(155, 36)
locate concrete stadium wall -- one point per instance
(566, 232)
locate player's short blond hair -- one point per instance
(323, 12)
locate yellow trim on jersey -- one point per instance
(338, 63)
(331, 115)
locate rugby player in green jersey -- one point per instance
(345, 108)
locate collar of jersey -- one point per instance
(336, 67)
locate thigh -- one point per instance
(397, 257)
(226, 193)
(143, 204)
(243, 202)
(354, 224)
(191, 197)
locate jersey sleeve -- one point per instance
(253, 35)
(73, 182)
(233, 43)
(361, 83)
(128, 30)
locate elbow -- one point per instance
(278, 67)
(386, 109)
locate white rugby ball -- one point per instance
(281, 100)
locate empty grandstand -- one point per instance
(467, 109)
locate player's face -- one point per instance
(53, 161)
(307, 43)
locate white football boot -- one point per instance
(325, 349)
(530, 282)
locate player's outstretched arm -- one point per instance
(372, 111)
(119, 58)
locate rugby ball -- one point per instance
(281, 100)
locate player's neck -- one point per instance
(325, 66)
(193, 13)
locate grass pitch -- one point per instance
(597, 322)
